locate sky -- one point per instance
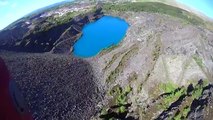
(203, 6)
(12, 10)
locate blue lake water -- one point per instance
(203, 6)
(99, 35)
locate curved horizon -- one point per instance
(203, 6)
(12, 10)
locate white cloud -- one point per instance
(3, 2)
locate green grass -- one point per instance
(198, 90)
(120, 97)
(177, 117)
(182, 114)
(186, 111)
(155, 8)
(168, 87)
(172, 97)
(120, 94)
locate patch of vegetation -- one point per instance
(168, 87)
(119, 69)
(198, 90)
(108, 50)
(119, 108)
(172, 92)
(114, 58)
(180, 115)
(175, 99)
(173, 96)
(199, 61)
(157, 49)
(155, 7)
(156, 52)
(186, 111)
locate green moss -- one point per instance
(103, 111)
(182, 114)
(173, 91)
(120, 95)
(198, 89)
(171, 98)
(121, 109)
(177, 117)
(168, 87)
(120, 98)
(197, 93)
(128, 89)
(186, 111)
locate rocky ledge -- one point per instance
(58, 39)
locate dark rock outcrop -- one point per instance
(45, 41)
(10, 36)
(197, 108)
(56, 86)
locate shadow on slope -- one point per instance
(56, 86)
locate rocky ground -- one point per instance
(58, 87)
(159, 55)
(161, 70)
